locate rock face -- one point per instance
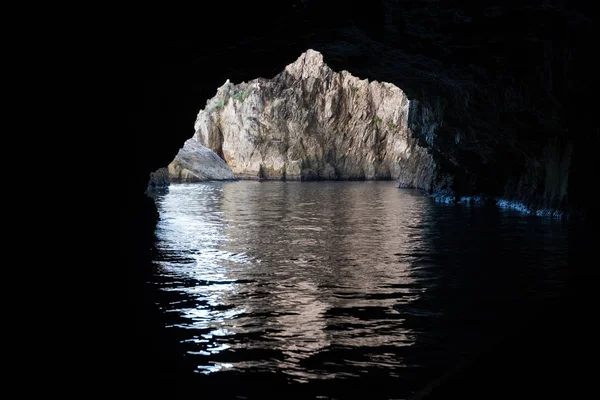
(159, 179)
(196, 163)
(311, 123)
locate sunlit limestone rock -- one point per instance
(310, 123)
(196, 163)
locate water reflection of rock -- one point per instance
(336, 279)
(194, 266)
(324, 262)
(281, 274)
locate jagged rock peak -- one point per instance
(309, 122)
(309, 64)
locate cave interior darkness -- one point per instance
(173, 59)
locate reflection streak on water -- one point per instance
(340, 279)
(304, 275)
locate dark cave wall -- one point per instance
(501, 93)
(516, 127)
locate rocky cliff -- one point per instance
(196, 163)
(310, 123)
(193, 163)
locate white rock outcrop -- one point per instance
(310, 122)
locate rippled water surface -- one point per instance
(342, 281)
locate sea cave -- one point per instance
(384, 199)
